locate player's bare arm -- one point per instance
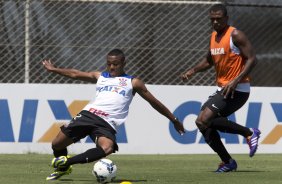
(241, 41)
(72, 73)
(141, 89)
(203, 65)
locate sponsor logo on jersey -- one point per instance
(112, 89)
(217, 51)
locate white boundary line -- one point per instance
(142, 1)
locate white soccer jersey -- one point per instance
(113, 97)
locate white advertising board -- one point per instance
(30, 116)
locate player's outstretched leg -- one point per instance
(253, 141)
(61, 168)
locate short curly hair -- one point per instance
(219, 7)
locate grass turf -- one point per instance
(147, 169)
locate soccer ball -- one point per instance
(104, 170)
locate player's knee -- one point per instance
(55, 146)
(106, 144)
(201, 124)
(107, 149)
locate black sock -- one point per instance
(90, 155)
(58, 153)
(224, 125)
(212, 137)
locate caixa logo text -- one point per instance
(62, 112)
(252, 120)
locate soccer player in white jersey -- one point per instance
(99, 119)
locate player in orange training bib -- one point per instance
(232, 56)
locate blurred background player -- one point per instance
(233, 58)
(99, 119)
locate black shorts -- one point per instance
(86, 123)
(225, 107)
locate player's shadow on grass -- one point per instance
(133, 181)
(250, 171)
(73, 180)
(115, 181)
(240, 171)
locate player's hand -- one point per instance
(48, 64)
(229, 89)
(178, 126)
(187, 75)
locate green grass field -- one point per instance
(147, 169)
